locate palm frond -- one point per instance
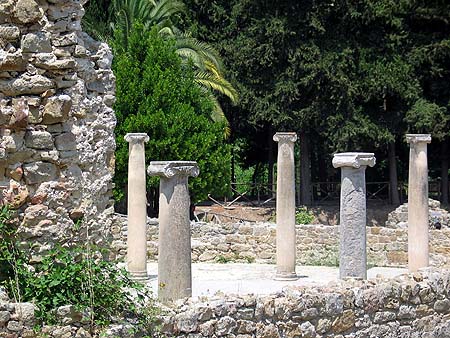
(218, 84)
(191, 45)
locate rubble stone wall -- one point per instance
(56, 121)
(408, 306)
(316, 244)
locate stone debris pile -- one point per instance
(438, 218)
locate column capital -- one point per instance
(173, 168)
(136, 137)
(417, 138)
(354, 160)
(285, 137)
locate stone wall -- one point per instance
(316, 244)
(56, 120)
(409, 306)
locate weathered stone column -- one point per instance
(418, 250)
(352, 227)
(137, 207)
(286, 237)
(174, 246)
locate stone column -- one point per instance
(174, 243)
(137, 207)
(352, 227)
(286, 236)
(418, 251)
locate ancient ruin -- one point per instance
(56, 167)
(56, 123)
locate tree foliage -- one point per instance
(156, 95)
(352, 75)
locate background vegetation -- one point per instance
(346, 76)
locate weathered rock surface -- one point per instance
(57, 140)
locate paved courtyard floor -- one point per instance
(239, 278)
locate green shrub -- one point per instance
(158, 96)
(303, 216)
(69, 275)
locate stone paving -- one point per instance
(239, 278)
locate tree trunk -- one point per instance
(323, 175)
(444, 171)
(305, 170)
(271, 162)
(393, 180)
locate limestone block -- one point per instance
(57, 109)
(65, 142)
(26, 84)
(4, 317)
(37, 139)
(25, 311)
(9, 32)
(15, 171)
(14, 325)
(12, 61)
(102, 83)
(49, 61)
(38, 42)
(38, 172)
(27, 11)
(65, 40)
(6, 7)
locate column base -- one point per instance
(139, 275)
(286, 276)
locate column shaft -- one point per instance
(352, 246)
(174, 242)
(418, 247)
(174, 254)
(352, 224)
(285, 207)
(137, 207)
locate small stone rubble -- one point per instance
(56, 122)
(438, 217)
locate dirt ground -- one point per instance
(323, 214)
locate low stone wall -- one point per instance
(316, 244)
(409, 306)
(415, 305)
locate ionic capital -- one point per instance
(417, 138)
(285, 137)
(136, 137)
(354, 160)
(173, 168)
